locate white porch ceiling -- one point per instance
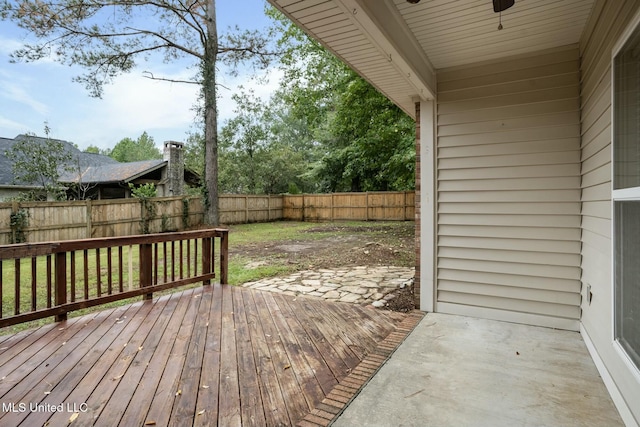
(398, 46)
(463, 31)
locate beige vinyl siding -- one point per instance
(608, 21)
(509, 189)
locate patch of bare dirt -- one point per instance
(333, 246)
(402, 300)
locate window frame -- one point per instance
(619, 195)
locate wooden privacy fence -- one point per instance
(69, 220)
(244, 209)
(371, 206)
(53, 221)
(51, 279)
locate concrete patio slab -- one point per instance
(461, 371)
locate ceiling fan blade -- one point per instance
(500, 5)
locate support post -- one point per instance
(224, 258)
(206, 258)
(146, 268)
(61, 283)
(425, 285)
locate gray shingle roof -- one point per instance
(118, 172)
(92, 167)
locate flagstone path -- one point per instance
(373, 285)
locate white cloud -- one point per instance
(16, 91)
(135, 102)
(12, 125)
(8, 45)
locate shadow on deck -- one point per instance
(213, 355)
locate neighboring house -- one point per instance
(528, 157)
(10, 187)
(96, 176)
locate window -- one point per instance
(626, 196)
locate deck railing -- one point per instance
(51, 279)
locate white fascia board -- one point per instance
(383, 25)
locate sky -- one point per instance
(32, 94)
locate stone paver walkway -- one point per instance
(359, 285)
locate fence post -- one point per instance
(366, 216)
(206, 258)
(406, 206)
(146, 267)
(246, 209)
(331, 207)
(61, 283)
(88, 213)
(14, 210)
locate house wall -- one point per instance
(508, 189)
(603, 31)
(8, 193)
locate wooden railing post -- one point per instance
(61, 283)
(224, 258)
(146, 267)
(206, 258)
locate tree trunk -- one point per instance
(211, 116)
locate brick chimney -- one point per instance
(174, 156)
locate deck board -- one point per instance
(273, 402)
(216, 355)
(251, 412)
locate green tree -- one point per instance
(245, 137)
(360, 141)
(39, 162)
(129, 150)
(93, 149)
(194, 153)
(261, 150)
(107, 37)
(371, 143)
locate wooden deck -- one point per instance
(216, 355)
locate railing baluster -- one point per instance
(155, 264)
(188, 258)
(181, 260)
(99, 273)
(195, 257)
(49, 284)
(1, 287)
(130, 267)
(109, 272)
(173, 261)
(34, 284)
(72, 261)
(120, 268)
(164, 253)
(86, 273)
(16, 278)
